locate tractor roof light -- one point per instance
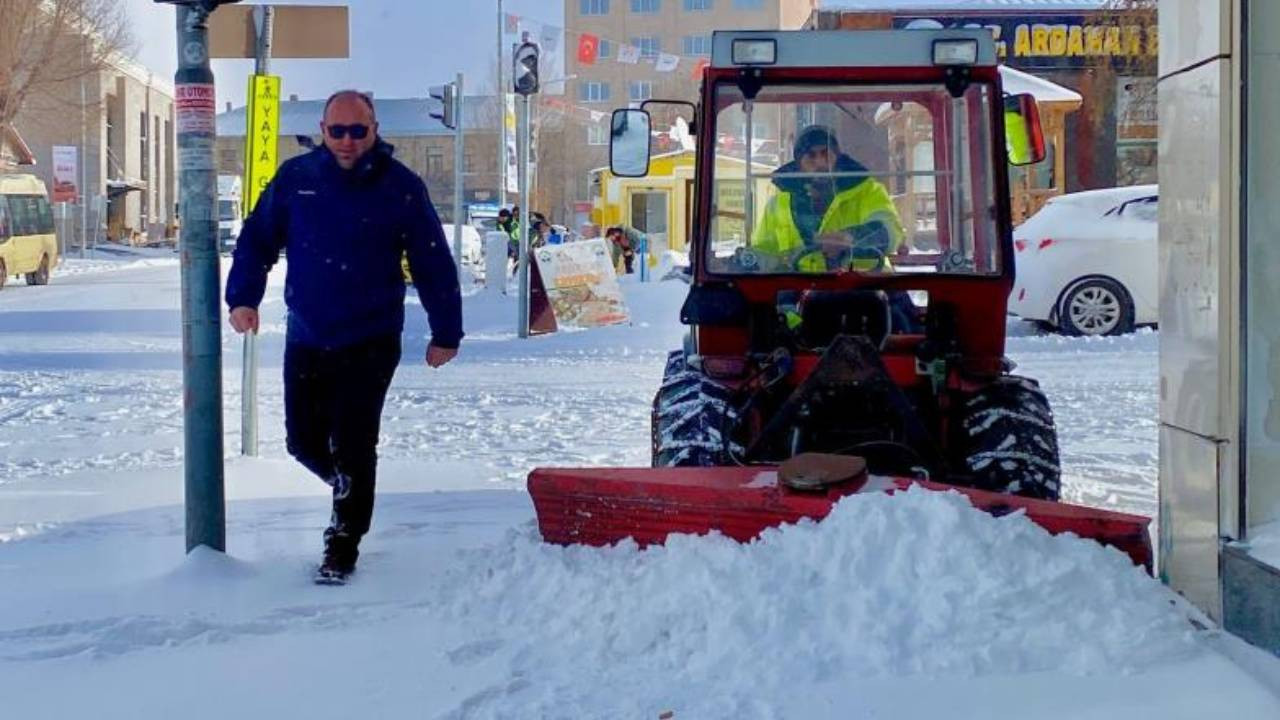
(955, 52)
(753, 51)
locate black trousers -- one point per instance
(333, 410)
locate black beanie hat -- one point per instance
(815, 136)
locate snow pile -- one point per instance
(919, 583)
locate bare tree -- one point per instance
(45, 44)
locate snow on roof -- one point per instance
(963, 5)
(1017, 82)
(397, 117)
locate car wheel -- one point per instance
(1097, 306)
(41, 275)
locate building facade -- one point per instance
(421, 142)
(1219, 306)
(120, 120)
(680, 28)
(1109, 56)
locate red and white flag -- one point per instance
(512, 23)
(698, 67)
(588, 49)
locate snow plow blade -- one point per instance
(601, 506)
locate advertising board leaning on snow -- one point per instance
(345, 212)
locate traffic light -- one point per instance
(525, 71)
(448, 112)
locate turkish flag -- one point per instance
(588, 48)
(698, 67)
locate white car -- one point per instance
(472, 246)
(1086, 264)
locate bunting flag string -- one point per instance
(626, 53)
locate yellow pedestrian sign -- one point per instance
(261, 136)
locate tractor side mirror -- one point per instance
(629, 143)
(1024, 137)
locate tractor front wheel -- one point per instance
(690, 412)
(1007, 440)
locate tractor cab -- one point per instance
(891, 176)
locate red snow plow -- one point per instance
(848, 298)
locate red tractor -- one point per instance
(848, 295)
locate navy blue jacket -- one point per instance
(344, 232)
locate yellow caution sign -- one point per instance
(261, 136)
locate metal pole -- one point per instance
(263, 19)
(201, 328)
(84, 156)
(458, 159)
(500, 94)
(749, 196)
(522, 137)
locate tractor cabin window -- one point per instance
(872, 179)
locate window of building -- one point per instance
(604, 50)
(697, 5)
(593, 7)
(594, 92)
(638, 90)
(649, 46)
(435, 161)
(144, 153)
(696, 45)
(748, 4)
(598, 134)
(645, 7)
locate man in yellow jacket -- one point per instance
(821, 222)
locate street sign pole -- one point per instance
(500, 95)
(263, 19)
(195, 104)
(522, 137)
(524, 79)
(458, 160)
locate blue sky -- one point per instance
(398, 47)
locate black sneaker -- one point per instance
(333, 572)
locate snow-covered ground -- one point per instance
(915, 606)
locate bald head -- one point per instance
(350, 126)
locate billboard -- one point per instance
(65, 170)
(1054, 41)
(582, 284)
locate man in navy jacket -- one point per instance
(345, 212)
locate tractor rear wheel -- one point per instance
(1007, 440)
(689, 413)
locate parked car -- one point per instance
(472, 248)
(28, 242)
(1087, 262)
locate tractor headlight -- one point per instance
(748, 51)
(955, 52)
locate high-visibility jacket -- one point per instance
(1017, 138)
(865, 202)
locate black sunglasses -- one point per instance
(357, 132)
